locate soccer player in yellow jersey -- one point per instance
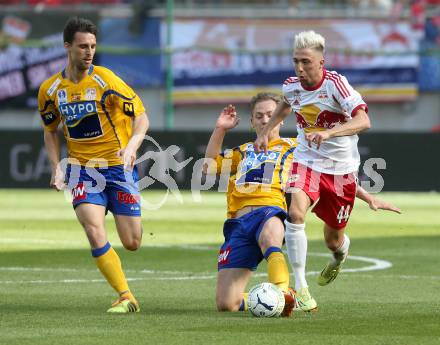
(256, 207)
(104, 123)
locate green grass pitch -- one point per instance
(51, 292)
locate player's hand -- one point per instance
(378, 204)
(57, 180)
(128, 157)
(317, 138)
(228, 118)
(261, 143)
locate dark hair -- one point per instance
(77, 24)
(264, 96)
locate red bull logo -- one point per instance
(301, 121)
(312, 118)
(328, 119)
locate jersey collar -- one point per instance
(317, 86)
(63, 72)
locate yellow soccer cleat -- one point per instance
(124, 306)
(305, 301)
(331, 271)
(328, 274)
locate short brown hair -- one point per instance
(77, 24)
(264, 96)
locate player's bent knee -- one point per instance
(225, 302)
(132, 244)
(297, 217)
(332, 245)
(226, 306)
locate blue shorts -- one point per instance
(112, 187)
(241, 249)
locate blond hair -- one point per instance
(309, 40)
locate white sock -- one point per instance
(340, 254)
(296, 243)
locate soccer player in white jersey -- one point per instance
(329, 115)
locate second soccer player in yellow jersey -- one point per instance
(104, 123)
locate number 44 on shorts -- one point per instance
(343, 214)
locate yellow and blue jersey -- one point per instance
(96, 113)
(257, 179)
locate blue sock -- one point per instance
(271, 250)
(101, 251)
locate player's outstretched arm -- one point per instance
(140, 126)
(375, 203)
(280, 113)
(52, 144)
(227, 120)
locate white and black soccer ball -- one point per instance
(266, 300)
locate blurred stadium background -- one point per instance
(189, 58)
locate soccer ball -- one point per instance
(266, 300)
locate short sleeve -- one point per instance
(348, 98)
(229, 159)
(125, 98)
(50, 116)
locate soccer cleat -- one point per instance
(331, 270)
(124, 306)
(289, 302)
(305, 301)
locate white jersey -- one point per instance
(332, 102)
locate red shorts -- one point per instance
(336, 193)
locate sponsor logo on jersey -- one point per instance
(62, 96)
(91, 94)
(53, 87)
(76, 96)
(311, 118)
(48, 118)
(254, 159)
(223, 256)
(296, 97)
(250, 147)
(79, 192)
(329, 119)
(74, 112)
(99, 80)
(322, 94)
(293, 178)
(128, 108)
(301, 121)
(127, 198)
(257, 168)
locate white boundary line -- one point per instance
(376, 264)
